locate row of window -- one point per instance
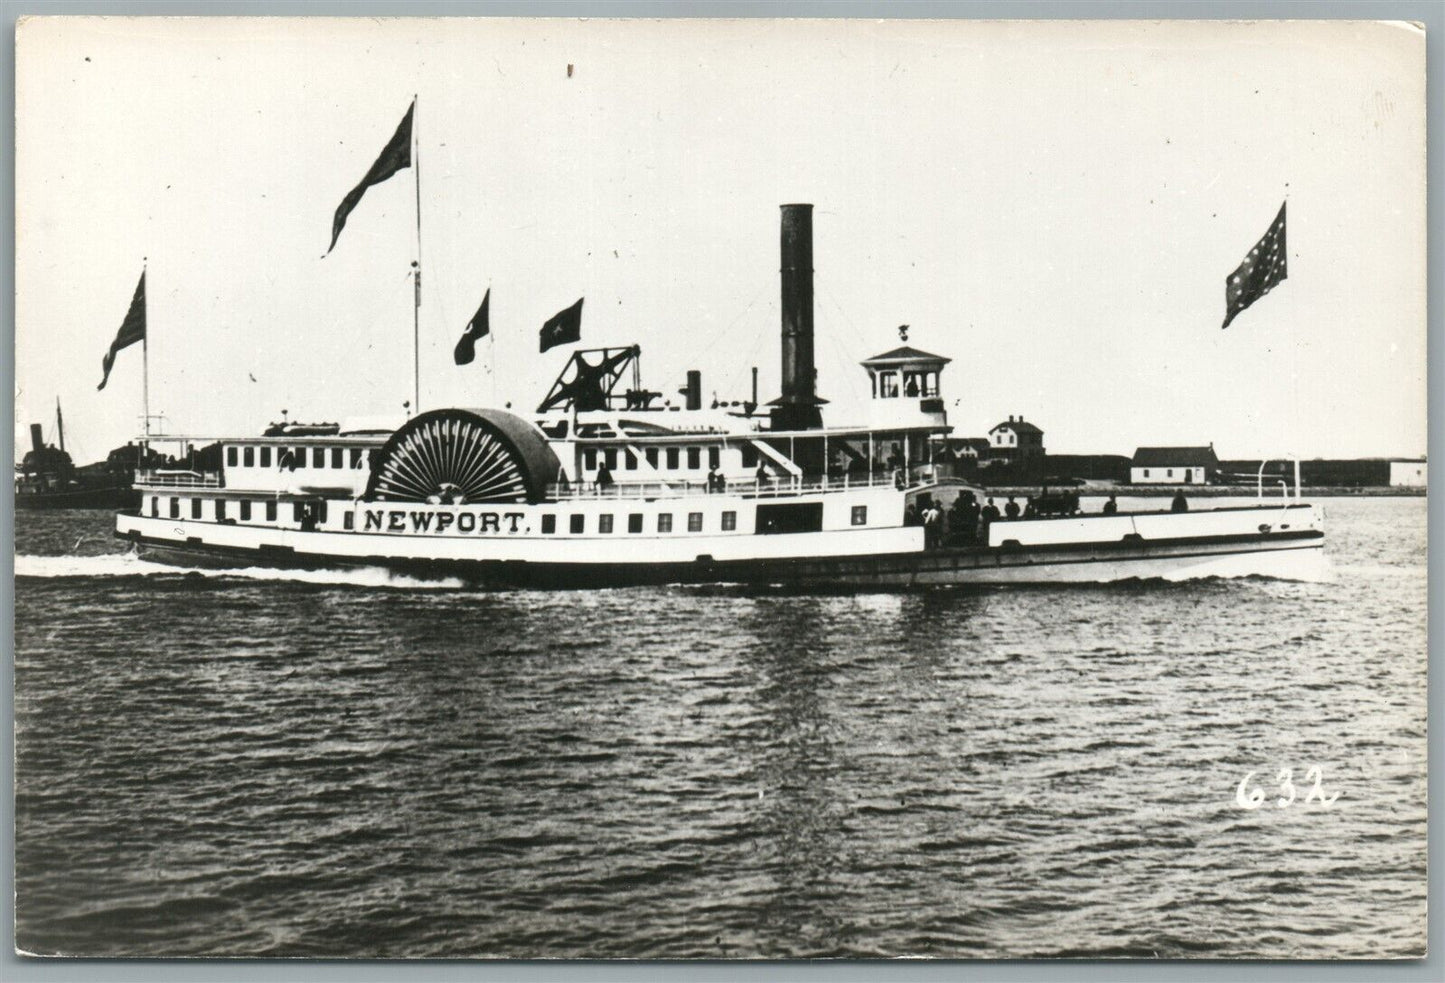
(312, 513)
(300, 511)
(1170, 472)
(294, 457)
(673, 456)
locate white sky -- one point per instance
(1055, 206)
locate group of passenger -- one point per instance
(967, 521)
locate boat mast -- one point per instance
(416, 266)
(60, 424)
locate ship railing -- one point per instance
(782, 487)
(164, 478)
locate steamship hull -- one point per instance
(1293, 554)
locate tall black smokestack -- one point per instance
(37, 442)
(797, 407)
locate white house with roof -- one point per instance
(1173, 465)
(1015, 439)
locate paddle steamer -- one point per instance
(607, 485)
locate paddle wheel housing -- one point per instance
(456, 456)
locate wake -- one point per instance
(130, 565)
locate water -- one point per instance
(347, 764)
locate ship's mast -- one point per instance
(416, 266)
(60, 424)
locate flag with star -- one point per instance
(1264, 267)
(564, 327)
(477, 329)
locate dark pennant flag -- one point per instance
(564, 327)
(1264, 267)
(477, 329)
(395, 157)
(132, 329)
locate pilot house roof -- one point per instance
(905, 355)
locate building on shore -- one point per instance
(1408, 474)
(1016, 440)
(1173, 466)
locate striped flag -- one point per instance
(1264, 267)
(132, 329)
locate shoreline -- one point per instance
(1211, 491)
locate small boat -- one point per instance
(605, 484)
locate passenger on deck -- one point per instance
(1111, 507)
(910, 515)
(712, 479)
(1011, 509)
(932, 527)
(1180, 503)
(762, 478)
(604, 476)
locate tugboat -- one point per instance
(47, 478)
(602, 486)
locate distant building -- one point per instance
(1016, 440)
(1407, 474)
(974, 449)
(1173, 465)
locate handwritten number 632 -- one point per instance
(1249, 796)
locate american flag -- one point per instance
(1265, 266)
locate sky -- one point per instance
(1054, 206)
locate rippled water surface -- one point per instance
(263, 764)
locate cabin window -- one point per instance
(318, 457)
(156, 504)
(270, 511)
(629, 460)
(888, 385)
(348, 520)
(298, 458)
(714, 457)
(694, 522)
(220, 510)
(860, 515)
(604, 523)
(1146, 472)
(245, 511)
(175, 508)
(789, 517)
(634, 522)
(589, 459)
(298, 511)
(694, 458)
(265, 457)
(336, 453)
(195, 508)
(750, 456)
(1169, 473)
(664, 522)
(355, 457)
(230, 457)
(577, 523)
(672, 458)
(249, 457)
(610, 456)
(651, 455)
(549, 525)
(729, 521)
(321, 511)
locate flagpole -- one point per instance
(145, 364)
(416, 273)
